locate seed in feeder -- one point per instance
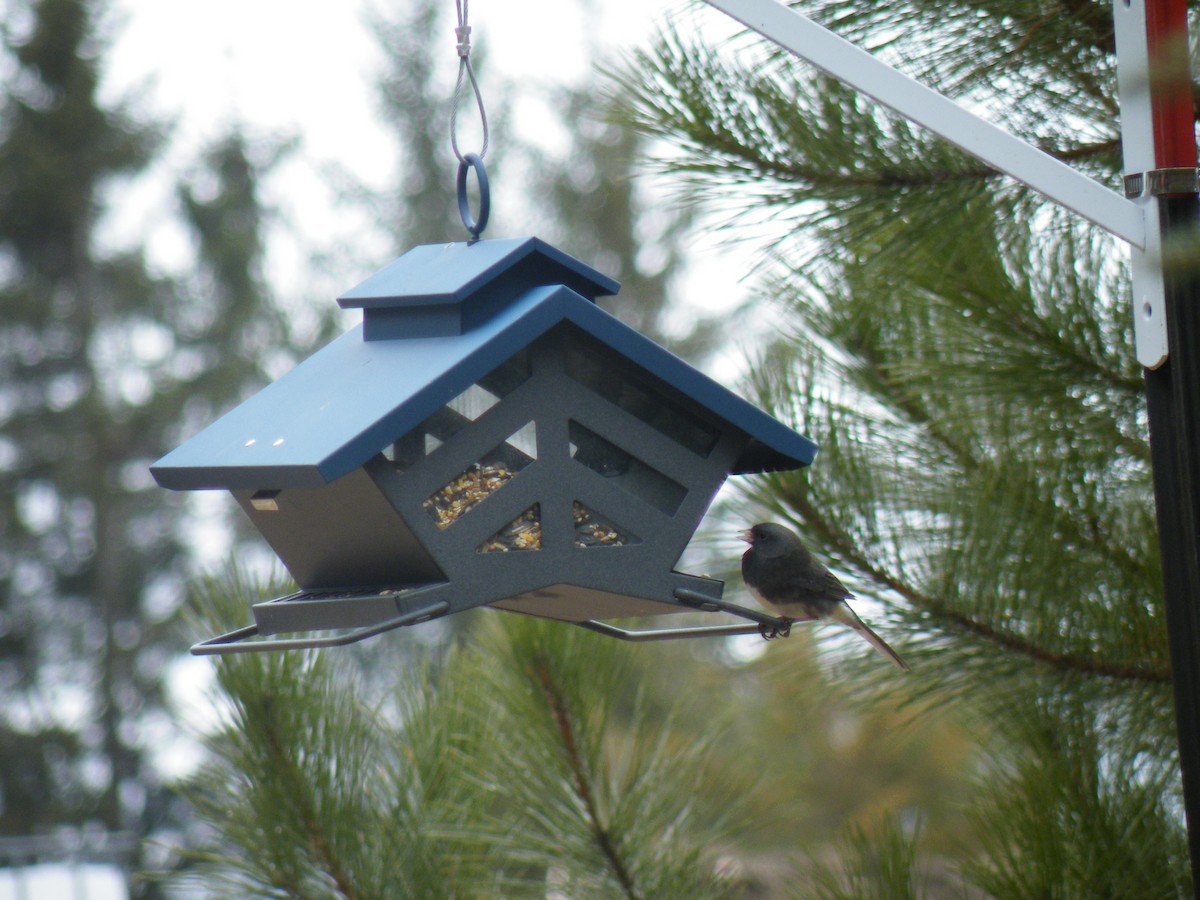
(523, 533)
(466, 491)
(592, 533)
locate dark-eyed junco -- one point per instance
(781, 573)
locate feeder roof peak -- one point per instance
(441, 274)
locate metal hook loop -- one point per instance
(474, 225)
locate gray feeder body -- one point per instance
(486, 436)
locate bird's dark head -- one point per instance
(769, 540)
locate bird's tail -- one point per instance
(847, 616)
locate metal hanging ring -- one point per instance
(474, 225)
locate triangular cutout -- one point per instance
(522, 533)
(592, 530)
(524, 440)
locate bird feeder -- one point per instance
(488, 436)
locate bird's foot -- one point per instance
(772, 630)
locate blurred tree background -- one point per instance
(104, 364)
(960, 350)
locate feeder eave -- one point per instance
(183, 477)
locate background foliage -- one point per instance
(960, 350)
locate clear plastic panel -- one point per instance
(610, 379)
(464, 409)
(625, 470)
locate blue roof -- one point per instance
(436, 274)
(339, 407)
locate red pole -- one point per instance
(1171, 102)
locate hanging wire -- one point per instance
(468, 161)
(465, 73)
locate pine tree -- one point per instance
(598, 202)
(504, 772)
(103, 365)
(416, 103)
(77, 537)
(962, 352)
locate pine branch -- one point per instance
(959, 621)
(297, 790)
(738, 125)
(1097, 19)
(583, 787)
(919, 414)
(891, 178)
(732, 153)
(1040, 332)
(881, 382)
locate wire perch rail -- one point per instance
(768, 627)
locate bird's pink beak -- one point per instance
(746, 536)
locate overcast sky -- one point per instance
(296, 67)
(309, 70)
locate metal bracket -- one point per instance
(1133, 218)
(768, 626)
(919, 103)
(237, 641)
(1145, 181)
(1157, 182)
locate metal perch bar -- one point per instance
(767, 626)
(236, 641)
(668, 634)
